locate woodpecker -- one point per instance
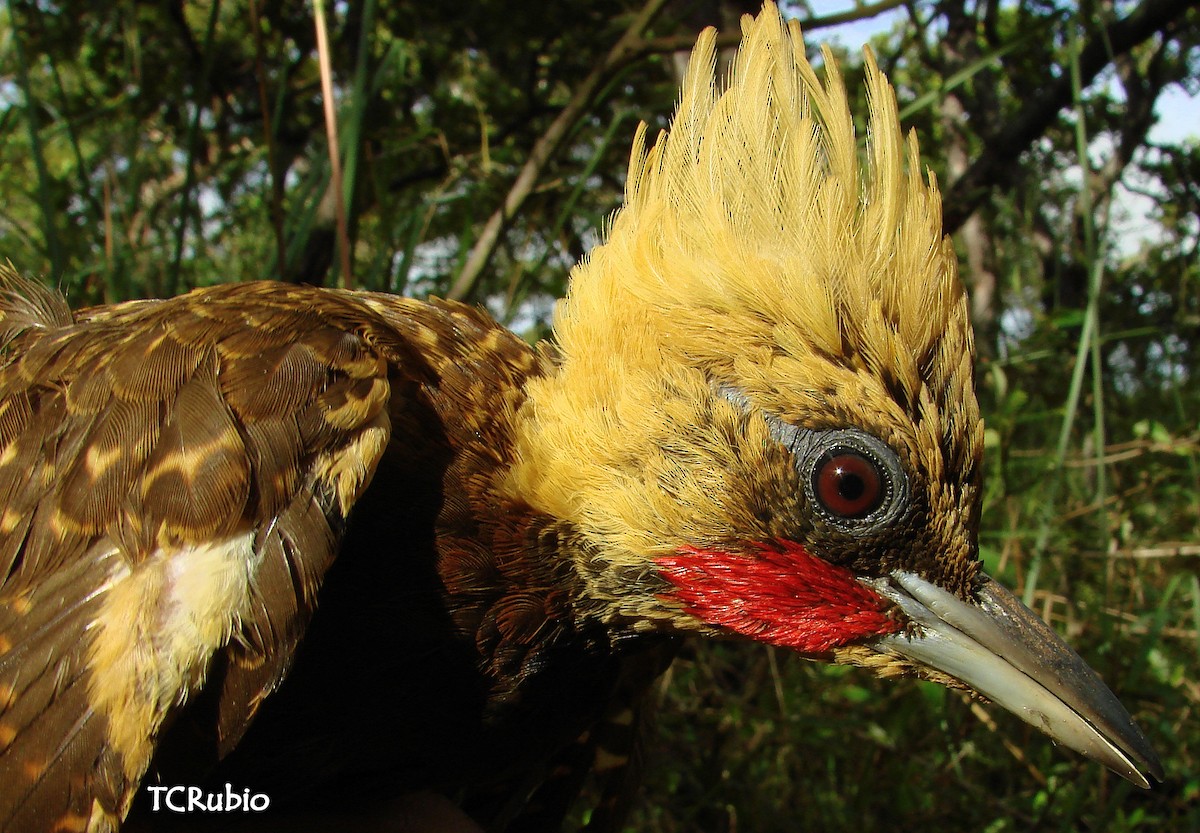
(333, 548)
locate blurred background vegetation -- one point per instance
(156, 146)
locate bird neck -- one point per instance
(519, 583)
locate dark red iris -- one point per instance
(848, 483)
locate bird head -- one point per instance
(763, 422)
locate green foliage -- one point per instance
(155, 147)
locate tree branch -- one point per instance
(732, 37)
(971, 189)
(545, 148)
(629, 48)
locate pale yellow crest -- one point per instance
(755, 204)
(755, 250)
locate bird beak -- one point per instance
(1004, 651)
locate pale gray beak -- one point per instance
(1004, 651)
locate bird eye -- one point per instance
(853, 479)
(848, 483)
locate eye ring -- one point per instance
(852, 479)
(848, 483)
(811, 449)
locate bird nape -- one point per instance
(334, 549)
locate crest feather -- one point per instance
(755, 252)
(754, 205)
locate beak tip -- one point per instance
(1002, 650)
(1153, 767)
(1145, 775)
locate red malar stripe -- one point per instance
(779, 594)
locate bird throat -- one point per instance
(777, 592)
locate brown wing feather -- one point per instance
(172, 478)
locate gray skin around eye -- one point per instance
(808, 446)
